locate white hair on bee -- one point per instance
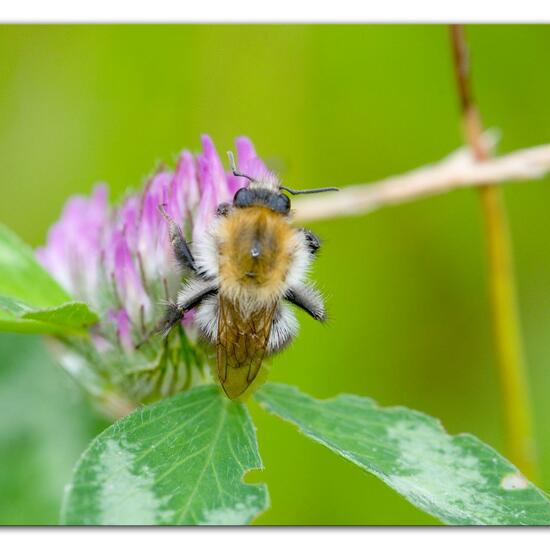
(206, 252)
(262, 177)
(266, 180)
(283, 329)
(300, 263)
(206, 317)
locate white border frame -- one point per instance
(275, 11)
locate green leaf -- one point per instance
(22, 277)
(178, 461)
(30, 299)
(457, 479)
(70, 317)
(73, 314)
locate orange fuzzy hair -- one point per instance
(254, 281)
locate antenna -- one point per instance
(307, 191)
(233, 167)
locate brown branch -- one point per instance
(505, 320)
(457, 171)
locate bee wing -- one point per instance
(242, 342)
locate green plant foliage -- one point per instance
(179, 461)
(457, 479)
(45, 425)
(68, 318)
(30, 300)
(75, 314)
(22, 277)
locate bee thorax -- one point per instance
(255, 250)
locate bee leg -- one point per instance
(179, 244)
(313, 242)
(194, 292)
(173, 315)
(308, 298)
(189, 297)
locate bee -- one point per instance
(243, 274)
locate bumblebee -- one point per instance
(243, 274)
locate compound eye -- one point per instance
(281, 203)
(243, 197)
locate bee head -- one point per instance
(266, 193)
(246, 196)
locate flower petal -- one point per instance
(184, 187)
(123, 328)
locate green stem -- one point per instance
(505, 321)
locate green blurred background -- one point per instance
(326, 105)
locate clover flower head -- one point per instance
(119, 260)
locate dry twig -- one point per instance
(458, 170)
